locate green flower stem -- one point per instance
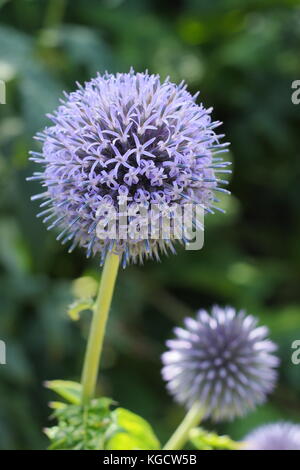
(181, 435)
(97, 331)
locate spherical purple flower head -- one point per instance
(126, 135)
(275, 436)
(222, 360)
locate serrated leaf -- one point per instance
(131, 432)
(70, 391)
(81, 427)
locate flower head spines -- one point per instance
(223, 360)
(127, 133)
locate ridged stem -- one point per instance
(97, 331)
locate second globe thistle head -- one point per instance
(274, 436)
(131, 136)
(223, 361)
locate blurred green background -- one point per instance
(243, 55)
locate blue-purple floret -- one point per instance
(274, 436)
(221, 360)
(126, 135)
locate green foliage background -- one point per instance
(243, 55)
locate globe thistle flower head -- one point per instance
(274, 436)
(221, 360)
(126, 136)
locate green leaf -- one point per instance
(204, 440)
(70, 391)
(57, 405)
(81, 427)
(131, 432)
(95, 427)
